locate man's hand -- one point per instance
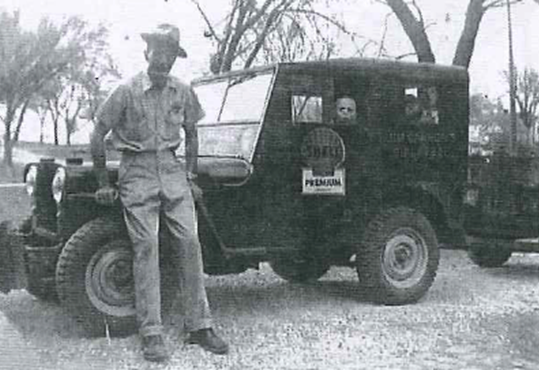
(195, 190)
(106, 195)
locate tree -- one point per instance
(80, 86)
(29, 61)
(413, 22)
(527, 97)
(280, 30)
(490, 127)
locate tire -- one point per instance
(299, 270)
(398, 257)
(43, 289)
(7, 278)
(94, 279)
(486, 255)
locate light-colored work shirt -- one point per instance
(145, 119)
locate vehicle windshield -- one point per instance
(234, 110)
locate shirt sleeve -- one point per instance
(193, 109)
(111, 111)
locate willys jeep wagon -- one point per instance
(284, 182)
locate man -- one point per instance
(412, 109)
(345, 111)
(145, 115)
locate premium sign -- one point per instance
(323, 153)
(331, 185)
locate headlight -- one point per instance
(30, 179)
(58, 183)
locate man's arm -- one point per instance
(191, 148)
(99, 156)
(193, 114)
(107, 117)
(105, 194)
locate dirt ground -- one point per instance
(472, 318)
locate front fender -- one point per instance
(12, 269)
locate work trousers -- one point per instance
(150, 184)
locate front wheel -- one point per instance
(398, 257)
(94, 278)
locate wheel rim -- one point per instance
(109, 280)
(404, 261)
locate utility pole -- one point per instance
(512, 86)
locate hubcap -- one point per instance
(109, 279)
(404, 261)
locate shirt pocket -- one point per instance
(174, 120)
(137, 128)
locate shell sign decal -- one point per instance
(323, 153)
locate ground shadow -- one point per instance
(233, 296)
(515, 270)
(31, 316)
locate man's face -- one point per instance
(346, 110)
(160, 58)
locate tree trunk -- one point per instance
(466, 44)
(53, 109)
(56, 140)
(69, 129)
(20, 121)
(231, 48)
(41, 133)
(8, 144)
(415, 30)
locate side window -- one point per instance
(306, 109)
(421, 105)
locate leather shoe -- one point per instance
(207, 339)
(154, 349)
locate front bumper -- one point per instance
(12, 261)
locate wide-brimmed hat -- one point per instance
(165, 33)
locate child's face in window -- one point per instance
(346, 110)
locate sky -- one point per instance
(127, 18)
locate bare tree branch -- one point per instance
(499, 3)
(339, 26)
(207, 21)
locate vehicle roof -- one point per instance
(389, 67)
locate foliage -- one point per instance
(275, 30)
(527, 97)
(80, 87)
(490, 127)
(32, 62)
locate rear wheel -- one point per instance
(299, 269)
(489, 255)
(398, 257)
(94, 278)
